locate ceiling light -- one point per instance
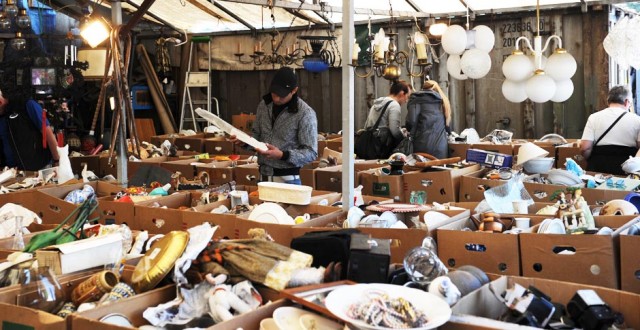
(94, 32)
(437, 29)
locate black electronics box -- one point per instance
(369, 259)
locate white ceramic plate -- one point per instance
(339, 300)
(117, 319)
(288, 318)
(271, 213)
(315, 321)
(555, 226)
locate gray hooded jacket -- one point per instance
(391, 117)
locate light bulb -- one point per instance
(453, 67)
(561, 65)
(23, 21)
(475, 63)
(94, 32)
(5, 22)
(540, 88)
(517, 67)
(18, 43)
(454, 40)
(514, 91)
(437, 29)
(356, 51)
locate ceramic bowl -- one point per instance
(539, 165)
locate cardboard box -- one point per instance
(473, 186)
(158, 220)
(190, 143)
(188, 168)
(80, 255)
(243, 122)
(506, 149)
(248, 175)
(330, 178)
(587, 259)
(629, 263)
(157, 140)
(200, 214)
(388, 186)
(493, 253)
(402, 240)
(92, 163)
(442, 184)
(218, 146)
(219, 172)
(481, 308)
(458, 150)
(572, 152)
(490, 158)
(542, 193)
(334, 144)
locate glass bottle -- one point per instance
(422, 263)
(40, 290)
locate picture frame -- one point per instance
(313, 296)
(96, 58)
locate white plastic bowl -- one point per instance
(539, 165)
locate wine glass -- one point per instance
(40, 290)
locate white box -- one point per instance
(82, 254)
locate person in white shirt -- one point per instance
(611, 135)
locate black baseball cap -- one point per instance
(283, 82)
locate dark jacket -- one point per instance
(426, 123)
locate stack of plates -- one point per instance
(552, 226)
(564, 177)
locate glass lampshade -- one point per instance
(561, 65)
(18, 43)
(475, 63)
(517, 67)
(514, 91)
(564, 90)
(10, 8)
(453, 67)
(484, 38)
(437, 29)
(23, 21)
(454, 40)
(5, 22)
(540, 88)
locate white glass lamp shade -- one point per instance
(453, 67)
(485, 39)
(5, 22)
(564, 90)
(437, 29)
(18, 43)
(454, 40)
(561, 65)
(94, 32)
(475, 63)
(517, 67)
(540, 88)
(514, 91)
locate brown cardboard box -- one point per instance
(50, 205)
(587, 259)
(321, 145)
(458, 150)
(308, 175)
(442, 184)
(481, 308)
(629, 263)
(247, 175)
(78, 163)
(189, 168)
(132, 308)
(219, 172)
(105, 168)
(330, 178)
(190, 143)
(79, 255)
(570, 152)
(243, 121)
(473, 186)
(402, 240)
(159, 220)
(200, 214)
(334, 144)
(157, 140)
(218, 146)
(251, 320)
(542, 193)
(389, 186)
(493, 253)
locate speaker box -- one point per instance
(369, 259)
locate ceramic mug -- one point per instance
(520, 207)
(523, 223)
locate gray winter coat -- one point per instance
(426, 123)
(391, 117)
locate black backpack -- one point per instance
(374, 142)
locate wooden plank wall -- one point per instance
(476, 103)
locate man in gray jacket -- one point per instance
(288, 126)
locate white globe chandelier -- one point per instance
(538, 78)
(468, 50)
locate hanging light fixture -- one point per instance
(5, 22)
(543, 79)
(10, 8)
(94, 32)
(18, 43)
(468, 50)
(436, 28)
(386, 60)
(23, 21)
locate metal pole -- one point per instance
(121, 163)
(348, 174)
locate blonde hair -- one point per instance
(446, 105)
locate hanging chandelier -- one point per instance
(543, 79)
(386, 60)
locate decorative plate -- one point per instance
(398, 208)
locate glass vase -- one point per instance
(40, 290)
